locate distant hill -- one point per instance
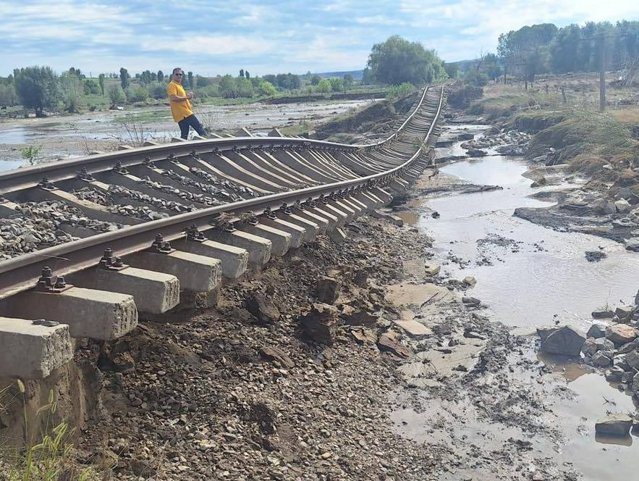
(357, 74)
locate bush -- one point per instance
(137, 94)
(116, 95)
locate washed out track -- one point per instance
(157, 228)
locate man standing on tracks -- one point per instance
(181, 105)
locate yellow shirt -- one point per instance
(180, 109)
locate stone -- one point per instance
(604, 344)
(621, 334)
(632, 359)
(624, 313)
(271, 353)
(354, 317)
(635, 383)
(589, 348)
(617, 425)
(622, 206)
(614, 374)
(431, 269)
(602, 314)
(389, 342)
(263, 308)
(469, 281)
(327, 290)
(600, 359)
(364, 336)
(320, 324)
(596, 330)
(565, 341)
(544, 332)
(471, 301)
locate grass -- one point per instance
(50, 458)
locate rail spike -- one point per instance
(51, 284)
(111, 262)
(161, 246)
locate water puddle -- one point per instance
(529, 277)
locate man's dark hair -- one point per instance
(175, 70)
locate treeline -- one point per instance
(544, 48)
(40, 89)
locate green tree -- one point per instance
(190, 77)
(244, 87)
(525, 52)
(242, 72)
(91, 87)
(71, 93)
(160, 76)
(348, 81)
(124, 78)
(324, 86)
(37, 88)
(116, 95)
(247, 74)
(228, 87)
(267, 88)
(137, 94)
(8, 96)
(397, 60)
(146, 77)
(337, 84)
(101, 82)
(315, 79)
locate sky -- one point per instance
(211, 37)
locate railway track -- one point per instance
(145, 230)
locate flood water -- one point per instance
(530, 276)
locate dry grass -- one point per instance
(626, 116)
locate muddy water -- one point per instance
(530, 276)
(77, 135)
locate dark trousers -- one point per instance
(190, 121)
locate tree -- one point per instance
(525, 52)
(267, 88)
(228, 87)
(124, 78)
(324, 86)
(397, 60)
(8, 96)
(315, 79)
(337, 84)
(190, 77)
(242, 72)
(37, 88)
(160, 76)
(247, 74)
(348, 81)
(116, 95)
(146, 77)
(101, 82)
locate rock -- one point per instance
(471, 301)
(565, 341)
(604, 344)
(123, 362)
(625, 312)
(632, 244)
(603, 314)
(432, 269)
(614, 425)
(596, 330)
(476, 153)
(615, 374)
(272, 353)
(365, 336)
(600, 359)
(262, 308)
(589, 348)
(595, 256)
(622, 206)
(540, 182)
(621, 334)
(635, 383)
(632, 359)
(389, 342)
(320, 324)
(544, 332)
(355, 317)
(469, 281)
(327, 290)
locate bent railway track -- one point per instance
(150, 228)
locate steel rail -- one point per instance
(21, 273)
(30, 177)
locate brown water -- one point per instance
(530, 276)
